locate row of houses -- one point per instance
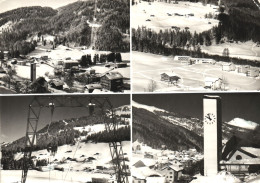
(245, 69)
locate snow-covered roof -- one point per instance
(144, 172)
(252, 161)
(93, 86)
(174, 167)
(252, 150)
(146, 161)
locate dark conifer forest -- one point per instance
(69, 24)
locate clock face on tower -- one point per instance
(210, 118)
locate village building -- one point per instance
(240, 160)
(202, 61)
(68, 64)
(92, 87)
(21, 62)
(112, 81)
(183, 59)
(145, 162)
(171, 173)
(148, 155)
(136, 147)
(213, 83)
(146, 175)
(228, 67)
(253, 72)
(243, 69)
(170, 77)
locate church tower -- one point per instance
(212, 134)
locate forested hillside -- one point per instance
(155, 131)
(64, 132)
(70, 24)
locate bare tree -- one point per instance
(152, 86)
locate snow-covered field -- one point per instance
(73, 170)
(162, 16)
(148, 67)
(246, 50)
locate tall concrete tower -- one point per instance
(212, 134)
(33, 72)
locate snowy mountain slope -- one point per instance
(148, 108)
(241, 123)
(238, 127)
(154, 130)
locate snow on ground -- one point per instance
(222, 177)
(238, 122)
(149, 108)
(6, 26)
(80, 151)
(92, 129)
(14, 176)
(147, 67)
(158, 12)
(41, 69)
(246, 50)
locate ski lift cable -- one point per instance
(70, 162)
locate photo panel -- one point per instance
(195, 45)
(65, 138)
(69, 46)
(199, 137)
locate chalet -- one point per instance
(112, 81)
(22, 63)
(136, 147)
(68, 64)
(243, 69)
(170, 77)
(228, 67)
(213, 83)
(253, 72)
(145, 162)
(171, 173)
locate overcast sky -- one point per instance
(6, 5)
(14, 112)
(241, 105)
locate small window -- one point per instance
(238, 157)
(170, 172)
(139, 181)
(170, 176)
